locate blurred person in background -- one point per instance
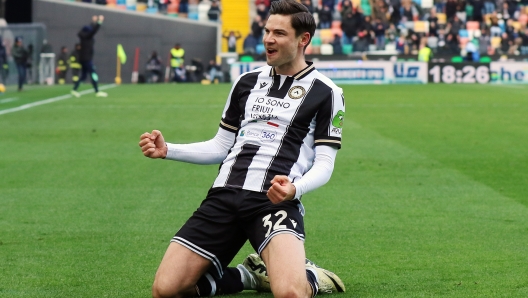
(74, 63)
(153, 68)
(214, 11)
(183, 8)
(21, 57)
(232, 38)
(177, 54)
(87, 42)
(325, 17)
(250, 44)
(379, 34)
(62, 65)
(4, 66)
(214, 71)
(257, 28)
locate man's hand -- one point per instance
(101, 19)
(153, 144)
(281, 189)
(94, 19)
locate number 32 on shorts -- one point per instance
(278, 218)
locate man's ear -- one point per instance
(305, 39)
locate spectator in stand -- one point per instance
(325, 17)
(367, 25)
(433, 22)
(506, 44)
(391, 33)
(450, 9)
(329, 3)
(214, 11)
(336, 44)
(21, 56)
(401, 44)
(395, 13)
(154, 68)
(380, 10)
(478, 10)
(454, 25)
(451, 45)
(262, 11)
(484, 42)
(250, 44)
(267, 3)
(257, 28)
(346, 8)
(413, 41)
(524, 44)
(308, 4)
(379, 34)
(183, 8)
(350, 25)
(162, 6)
(472, 52)
(232, 38)
(510, 29)
(489, 6)
(495, 30)
(363, 41)
(408, 12)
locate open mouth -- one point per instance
(271, 51)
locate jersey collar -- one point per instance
(301, 74)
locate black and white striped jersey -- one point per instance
(278, 120)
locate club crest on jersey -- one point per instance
(296, 92)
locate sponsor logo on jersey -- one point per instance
(266, 135)
(294, 223)
(337, 122)
(296, 92)
(338, 119)
(262, 85)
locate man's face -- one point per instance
(280, 41)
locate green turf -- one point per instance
(428, 197)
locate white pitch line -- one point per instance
(10, 99)
(50, 100)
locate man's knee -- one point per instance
(163, 288)
(290, 291)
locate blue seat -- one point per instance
(193, 15)
(260, 49)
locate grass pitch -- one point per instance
(428, 197)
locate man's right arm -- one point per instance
(212, 151)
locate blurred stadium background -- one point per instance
(461, 35)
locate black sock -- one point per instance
(230, 283)
(312, 281)
(206, 286)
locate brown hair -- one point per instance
(301, 19)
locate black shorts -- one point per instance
(228, 217)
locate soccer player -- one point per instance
(86, 36)
(278, 138)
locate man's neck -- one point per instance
(292, 68)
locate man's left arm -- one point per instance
(282, 189)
